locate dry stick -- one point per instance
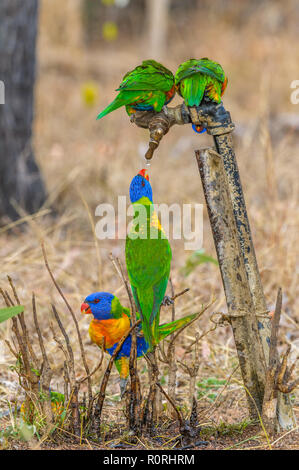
(66, 379)
(21, 318)
(29, 376)
(150, 410)
(172, 342)
(198, 315)
(70, 355)
(290, 370)
(216, 324)
(185, 430)
(172, 338)
(71, 374)
(171, 352)
(194, 415)
(277, 373)
(29, 381)
(95, 369)
(192, 371)
(46, 376)
(170, 400)
(283, 367)
(14, 353)
(59, 343)
(288, 388)
(76, 325)
(270, 396)
(135, 393)
(101, 395)
(174, 297)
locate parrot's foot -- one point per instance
(123, 386)
(167, 301)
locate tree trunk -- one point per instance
(157, 18)
(20, 180)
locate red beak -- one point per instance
(144, 174)
(85, 308)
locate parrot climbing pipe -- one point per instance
(111, 321)
(146, 88)
(200, 81)
(148, 257)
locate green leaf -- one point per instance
(9, 312)
(197, 258)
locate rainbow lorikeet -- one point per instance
(148, 257)
(111, 321)
(146, 88)
(200, 81)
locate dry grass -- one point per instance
(98, 159)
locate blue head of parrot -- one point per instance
(99, 304)
(140, 187)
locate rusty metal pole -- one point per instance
(238, 297)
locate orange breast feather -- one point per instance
(111, 330)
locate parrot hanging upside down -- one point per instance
(200, 81)
(148, 257)
(111, 321)
(146, 88)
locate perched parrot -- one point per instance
(146, 88)
(200, 81)
(111, 321)
(148, 257)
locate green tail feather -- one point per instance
(122, 99)
(170, 328)
(194, 88)
(145, 303)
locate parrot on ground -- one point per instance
(148, 258)
(146, 88)
(200, 81)
(111, 321)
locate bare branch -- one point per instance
(75, 321)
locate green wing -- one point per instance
(149, 76)
(195, 77)
(148, 263)
(205, 66)
(148, 83)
